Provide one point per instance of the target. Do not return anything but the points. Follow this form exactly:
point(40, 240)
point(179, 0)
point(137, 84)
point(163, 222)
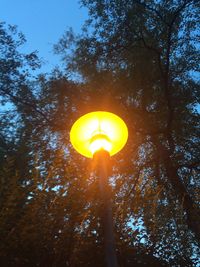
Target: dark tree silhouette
point(138, 59)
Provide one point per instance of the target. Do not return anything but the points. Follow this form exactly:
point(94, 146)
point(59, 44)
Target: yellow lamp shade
point(98, 130)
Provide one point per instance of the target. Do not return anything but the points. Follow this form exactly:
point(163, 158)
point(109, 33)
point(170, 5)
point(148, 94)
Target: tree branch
point(28, 104)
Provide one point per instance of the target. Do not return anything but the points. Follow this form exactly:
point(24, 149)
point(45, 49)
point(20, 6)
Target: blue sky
point(43, 22)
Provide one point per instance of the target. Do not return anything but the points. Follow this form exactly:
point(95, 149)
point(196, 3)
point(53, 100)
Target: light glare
point(100, 142)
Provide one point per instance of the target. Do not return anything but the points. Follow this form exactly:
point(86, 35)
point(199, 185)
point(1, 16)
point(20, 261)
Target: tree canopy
point(140, 60)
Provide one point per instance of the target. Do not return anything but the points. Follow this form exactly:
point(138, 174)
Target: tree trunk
point(192, 212)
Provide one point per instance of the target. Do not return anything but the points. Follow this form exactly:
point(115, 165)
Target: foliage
point(138, 59)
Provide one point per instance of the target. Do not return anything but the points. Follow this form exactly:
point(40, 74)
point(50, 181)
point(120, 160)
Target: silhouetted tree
point(138, 59)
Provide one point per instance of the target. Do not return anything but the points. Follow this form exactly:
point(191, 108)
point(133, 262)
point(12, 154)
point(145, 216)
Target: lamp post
point(99, 135)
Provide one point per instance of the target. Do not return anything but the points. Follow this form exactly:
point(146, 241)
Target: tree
point(140, 59)
point(43, 193)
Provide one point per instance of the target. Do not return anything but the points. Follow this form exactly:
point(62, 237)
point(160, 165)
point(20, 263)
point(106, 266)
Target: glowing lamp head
point(98, 130)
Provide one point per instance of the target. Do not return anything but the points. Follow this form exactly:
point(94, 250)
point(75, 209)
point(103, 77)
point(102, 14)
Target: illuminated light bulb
point(100, 142)
point(98, 130)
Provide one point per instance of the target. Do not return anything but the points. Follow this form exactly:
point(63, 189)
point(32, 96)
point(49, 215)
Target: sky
point(43, 22)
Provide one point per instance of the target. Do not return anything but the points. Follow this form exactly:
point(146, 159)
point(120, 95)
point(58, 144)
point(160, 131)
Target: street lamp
point(99, 135)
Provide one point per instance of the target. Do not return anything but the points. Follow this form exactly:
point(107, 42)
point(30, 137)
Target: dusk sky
point(43, 22)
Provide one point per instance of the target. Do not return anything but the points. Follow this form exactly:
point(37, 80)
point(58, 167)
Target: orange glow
point(98, 130)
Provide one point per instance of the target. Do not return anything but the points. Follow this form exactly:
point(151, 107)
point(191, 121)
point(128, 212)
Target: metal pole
point(101, 159)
